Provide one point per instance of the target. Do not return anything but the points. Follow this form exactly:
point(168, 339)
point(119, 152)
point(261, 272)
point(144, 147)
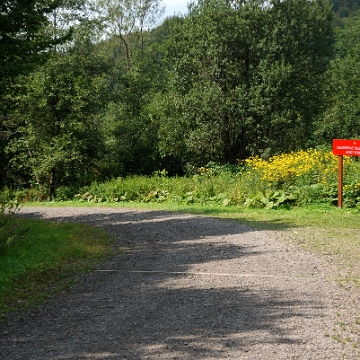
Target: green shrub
point(9, 232)
point(295, 179)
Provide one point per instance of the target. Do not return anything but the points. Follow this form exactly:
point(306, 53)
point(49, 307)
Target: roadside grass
point(293, 194)
point(59, 250)
point(324, 229)
point(41, 258)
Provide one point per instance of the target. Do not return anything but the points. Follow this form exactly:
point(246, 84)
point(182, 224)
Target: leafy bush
point(271, 200)
point(297, 168)
point(293, 179)
point(9, 232)
point(351, 194)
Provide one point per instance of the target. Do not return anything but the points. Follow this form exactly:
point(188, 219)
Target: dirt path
point(188, 287)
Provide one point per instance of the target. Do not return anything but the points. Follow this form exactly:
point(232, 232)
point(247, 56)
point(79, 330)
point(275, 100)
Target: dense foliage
point(241, 76)
point(341, 116)
point(124, 94)
point(22, 40)
point(286, 180)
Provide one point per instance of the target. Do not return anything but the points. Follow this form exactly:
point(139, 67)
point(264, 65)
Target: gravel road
point(189, 287)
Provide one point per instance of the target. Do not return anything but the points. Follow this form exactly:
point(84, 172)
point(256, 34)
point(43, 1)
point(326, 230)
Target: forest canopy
point(96, 90)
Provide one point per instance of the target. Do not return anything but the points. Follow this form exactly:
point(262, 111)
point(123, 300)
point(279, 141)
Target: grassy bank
point(294, 194)
point(38, 258)
point(283, 181)
point(321, 228)
point(41, 257)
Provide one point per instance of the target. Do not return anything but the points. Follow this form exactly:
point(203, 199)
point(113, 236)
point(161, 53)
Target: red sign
point(346, 147)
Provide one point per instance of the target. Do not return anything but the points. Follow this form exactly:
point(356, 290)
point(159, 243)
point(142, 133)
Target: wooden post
point(340, 180)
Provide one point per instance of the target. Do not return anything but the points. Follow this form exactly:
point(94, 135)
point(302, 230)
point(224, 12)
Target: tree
point(22, 43)
point(131, 137)
point(134, 75)
point(344, 9)
point(129, 21)
point(341, 118)
point(244, 79)
point(299, 53)
point(57, 120)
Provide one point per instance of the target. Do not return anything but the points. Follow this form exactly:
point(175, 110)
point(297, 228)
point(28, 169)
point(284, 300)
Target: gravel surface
point(189, 287)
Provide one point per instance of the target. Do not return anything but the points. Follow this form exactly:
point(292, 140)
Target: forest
point(96, 90)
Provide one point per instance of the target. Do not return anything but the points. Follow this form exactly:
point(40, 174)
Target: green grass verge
point(325, 229)
point(42, 257)
point(331, 232)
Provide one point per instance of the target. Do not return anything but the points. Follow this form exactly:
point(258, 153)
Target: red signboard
point(346, 147)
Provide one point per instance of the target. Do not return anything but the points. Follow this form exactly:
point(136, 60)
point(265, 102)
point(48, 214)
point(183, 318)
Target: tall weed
point(9, 231)
point(293, 179)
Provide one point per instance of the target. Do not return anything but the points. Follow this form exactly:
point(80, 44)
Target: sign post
point(340, 179)
point(340, 148)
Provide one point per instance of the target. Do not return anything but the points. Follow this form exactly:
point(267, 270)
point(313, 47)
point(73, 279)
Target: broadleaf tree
point(58, 140)
point(22, 42)
point(244, 79)
point(341, 117)
point(23, 46)
point(135, 72)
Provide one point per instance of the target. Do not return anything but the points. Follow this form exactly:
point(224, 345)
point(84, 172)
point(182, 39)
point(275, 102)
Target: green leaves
point(23, 44)
point(341, 119)
point(271, 200)
point(241, 77)
point(58, 138)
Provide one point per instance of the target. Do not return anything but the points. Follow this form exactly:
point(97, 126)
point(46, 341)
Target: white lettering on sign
point(346, 147)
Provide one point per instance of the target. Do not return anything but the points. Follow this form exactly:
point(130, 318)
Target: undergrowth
point(283, 181)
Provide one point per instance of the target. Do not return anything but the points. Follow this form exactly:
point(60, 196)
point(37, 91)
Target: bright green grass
point(325, 229)
point(58, 249)
point(43, 257)
point(332, 232)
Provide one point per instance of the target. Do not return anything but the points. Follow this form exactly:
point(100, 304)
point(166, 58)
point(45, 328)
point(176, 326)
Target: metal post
point(340, 180)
